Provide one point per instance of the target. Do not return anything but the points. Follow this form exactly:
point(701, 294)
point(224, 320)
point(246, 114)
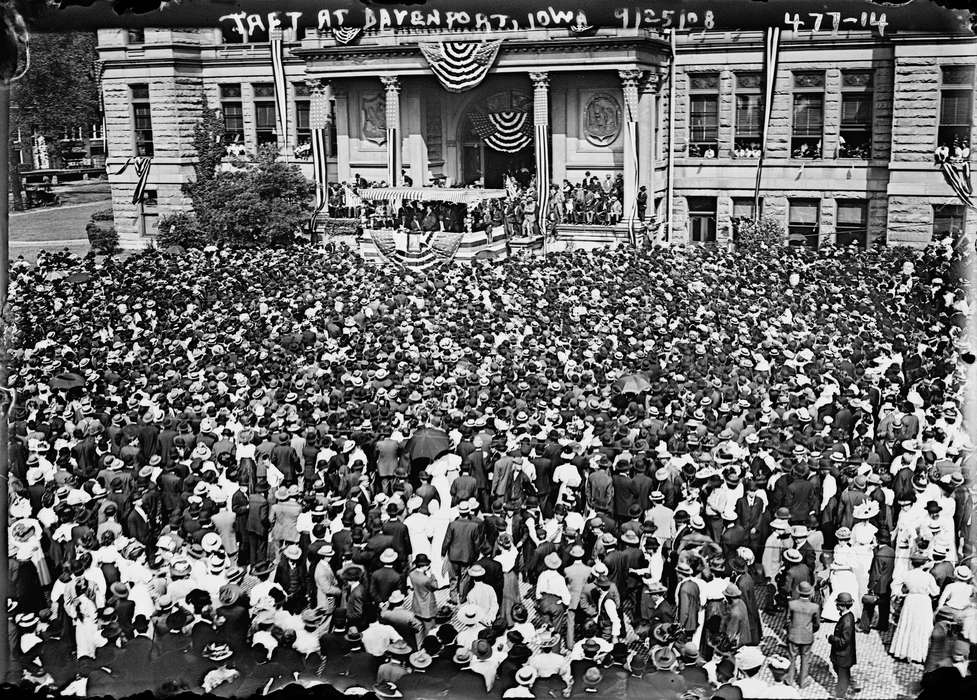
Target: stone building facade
point(855, 120)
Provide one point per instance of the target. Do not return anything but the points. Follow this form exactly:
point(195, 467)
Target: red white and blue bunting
point(281, 96)
point(460, 65)
point(142, 165)
point(506, 132)
point(542, 176)
point(435, 248)
point(346, 35)
point(957, 176)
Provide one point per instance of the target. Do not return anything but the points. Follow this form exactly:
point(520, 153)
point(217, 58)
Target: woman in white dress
point(440, 517)
point(918, 587)
point(841, 578)
point(903, 538)
point(863, 544)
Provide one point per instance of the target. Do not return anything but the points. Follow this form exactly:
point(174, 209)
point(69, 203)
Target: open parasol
point(78, 277)
point(632, 384)
point(67, 380)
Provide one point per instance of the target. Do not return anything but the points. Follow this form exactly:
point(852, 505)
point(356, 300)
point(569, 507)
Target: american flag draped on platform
point(460, 65)
point(277, 45)
point(142, 165)
point(507, 132)
point(542, 176)
point(430, 252)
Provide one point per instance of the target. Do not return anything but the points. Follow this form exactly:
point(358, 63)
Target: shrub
point(180, 229)
point(767, 232)
point(101, 233)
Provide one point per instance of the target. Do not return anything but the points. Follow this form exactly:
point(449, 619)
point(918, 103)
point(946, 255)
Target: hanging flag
point(771, 57)
point(141, 164)
point(957, 176)
point(542, 176)
point(281, 95)
point(393, 157)
point(319, 123)
point(507, 132)
point(346, 35)
point(632, 127)
point(460, 65)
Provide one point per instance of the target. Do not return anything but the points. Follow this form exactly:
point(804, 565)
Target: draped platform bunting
point(957, 176)
point(319, 123)
point(436, 248)
point(507, 132)
point(346, 35)
point(460, 65)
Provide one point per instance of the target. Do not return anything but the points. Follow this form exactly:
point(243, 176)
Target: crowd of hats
point(313, 342)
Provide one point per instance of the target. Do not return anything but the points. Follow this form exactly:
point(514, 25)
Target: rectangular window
point(948, 219)
point(956, 107)
point(233, 112)
point(135, 36)
point(856, 114)
point(150, 198)
point(808, 115)
point(749, 116)
point(142, 119)
point(803, 222)
point(702, 219)
point(703, 115)
point(264, 113)
point(303, 129)
point(851, 226)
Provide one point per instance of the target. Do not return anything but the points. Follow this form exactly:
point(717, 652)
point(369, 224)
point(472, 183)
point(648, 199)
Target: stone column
point(647, 136)
point(391, 85)
point(629, 85)
point(341, 98)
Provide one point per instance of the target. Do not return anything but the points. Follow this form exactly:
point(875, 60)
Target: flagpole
point(670, 171)
point(4, 407)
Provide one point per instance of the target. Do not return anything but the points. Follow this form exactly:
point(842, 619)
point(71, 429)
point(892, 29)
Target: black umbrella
point(78, 277)
point(428, 443)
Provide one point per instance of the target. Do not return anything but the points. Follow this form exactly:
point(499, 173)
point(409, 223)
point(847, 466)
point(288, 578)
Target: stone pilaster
point(648, 91)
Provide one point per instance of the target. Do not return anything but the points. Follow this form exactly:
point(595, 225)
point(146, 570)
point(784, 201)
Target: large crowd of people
point(583, 474)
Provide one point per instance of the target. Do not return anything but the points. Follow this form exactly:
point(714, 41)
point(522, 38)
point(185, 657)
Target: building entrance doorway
point(482, 162)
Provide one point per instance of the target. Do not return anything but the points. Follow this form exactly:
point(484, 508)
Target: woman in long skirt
point(507, 556)
point(912, 635)
point(841, 578)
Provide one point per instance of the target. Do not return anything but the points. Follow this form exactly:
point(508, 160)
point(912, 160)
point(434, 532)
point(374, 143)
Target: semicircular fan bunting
point(507, 132)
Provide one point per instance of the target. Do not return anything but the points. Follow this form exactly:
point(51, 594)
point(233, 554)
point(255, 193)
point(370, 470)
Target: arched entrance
point(479, 159)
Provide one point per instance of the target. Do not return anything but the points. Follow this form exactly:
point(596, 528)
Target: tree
point(266, 203)
point(765, 232)
point(59, 92)
point(208, 142)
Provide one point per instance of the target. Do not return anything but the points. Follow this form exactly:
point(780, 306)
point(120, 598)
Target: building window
point(749, 116)
point(142, 118)
point(264, 113)
point(232, 111)
point(702, 219)
point(855, 138)
point(303, 130)
point(150, 198)
point(851, 227)
point(703, 115)
point(948, 219)
point(956, 106)
point(802, 228)
point(808, 122)
point(135, 36)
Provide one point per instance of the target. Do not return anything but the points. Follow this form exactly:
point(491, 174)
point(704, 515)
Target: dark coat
point(461, 541)
point(843, 642)
point(880, 575)
point(737, 623)
point(748, 590)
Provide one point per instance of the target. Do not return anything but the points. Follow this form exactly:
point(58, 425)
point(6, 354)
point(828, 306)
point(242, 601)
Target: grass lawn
point(53, 228)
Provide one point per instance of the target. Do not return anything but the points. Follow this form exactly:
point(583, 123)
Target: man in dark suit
point(749, 516)
point(733, 536)
point(879, 584)
point(688, 599)
point(625, 494)
point(804, 618)
point(842, 643)
point(461, 548)
point(386, 579)
point(257, 525)
point(795, 571)
point(137, 523)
